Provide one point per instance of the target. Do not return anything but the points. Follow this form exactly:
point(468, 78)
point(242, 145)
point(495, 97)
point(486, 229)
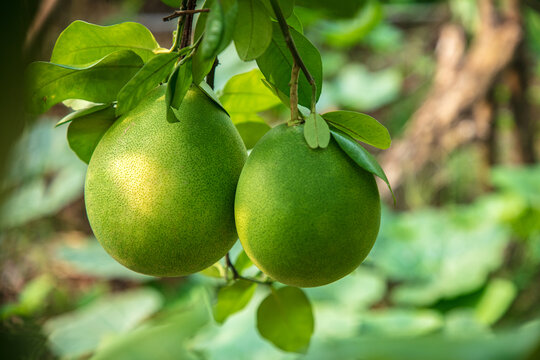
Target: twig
point(294, 52)
point(179, 13)
point(188, 25)
point(237, 276)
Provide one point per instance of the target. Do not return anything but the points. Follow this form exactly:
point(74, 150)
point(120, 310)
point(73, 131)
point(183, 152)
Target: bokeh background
point(455, 272)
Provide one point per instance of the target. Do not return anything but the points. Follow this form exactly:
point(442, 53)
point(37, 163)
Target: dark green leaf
point(205, 88)
point(201, 66)
point(233, 298)
point(219, 27)
point(285, 318)
point(49, 84)
point(82, 43)
point(151, 75)
point(177, 88)
point(332, 9)
point(242, 262)
point(316, 131)
point(360, 156)
point(286, 6)
point(347, 33)
point(276, 64)
point(85, 132)
point(295, 23)
point(80, 113)
point(361, 127)
point(253, 31)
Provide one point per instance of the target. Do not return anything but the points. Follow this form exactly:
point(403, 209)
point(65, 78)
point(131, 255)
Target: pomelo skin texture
point(305, 217)
point(160, 195)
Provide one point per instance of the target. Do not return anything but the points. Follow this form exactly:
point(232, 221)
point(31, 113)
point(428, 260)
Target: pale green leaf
point(233, 298)
point(285, 318)
point(246, 93)
point(49, 84)
point(242, 262)
point(253, 30)
point(82, 43)
point(316, 131)
point(79, 332)
point(80, 113)
point(361, 127)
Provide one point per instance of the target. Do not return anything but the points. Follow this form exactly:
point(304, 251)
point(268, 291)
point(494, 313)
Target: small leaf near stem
point(296, 56)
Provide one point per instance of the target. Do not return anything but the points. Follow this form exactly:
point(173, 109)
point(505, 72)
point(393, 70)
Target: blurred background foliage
point(455, 272)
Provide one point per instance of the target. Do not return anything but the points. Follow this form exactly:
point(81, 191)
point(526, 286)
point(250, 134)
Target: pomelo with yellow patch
point(160, 196)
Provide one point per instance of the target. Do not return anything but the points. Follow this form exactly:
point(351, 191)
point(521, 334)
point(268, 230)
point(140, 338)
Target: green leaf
point(85, 132)
point(177, 88)
point(80, 113)
point(205, 88)
point(219, 27)
point(242, 262)
point(285, 318)
point(253, 30)
point(360, 156)
point(82, 43)
point(295, 22)
point(151, 75)
point(77, 333)
point(361, 127)
point(286, 6)
point(245, 93)
point(48, 84)
point(232, 299)
point(201, 66)
point(276, 64)
point(495, 301)
point(316, 131)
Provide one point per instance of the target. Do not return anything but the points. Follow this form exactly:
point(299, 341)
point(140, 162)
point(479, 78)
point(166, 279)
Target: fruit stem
point(297, 59)
point(237, 276)
point(294, 94)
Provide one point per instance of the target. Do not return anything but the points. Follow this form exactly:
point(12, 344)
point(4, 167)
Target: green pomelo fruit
point(160, 195)
point(305, 217)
